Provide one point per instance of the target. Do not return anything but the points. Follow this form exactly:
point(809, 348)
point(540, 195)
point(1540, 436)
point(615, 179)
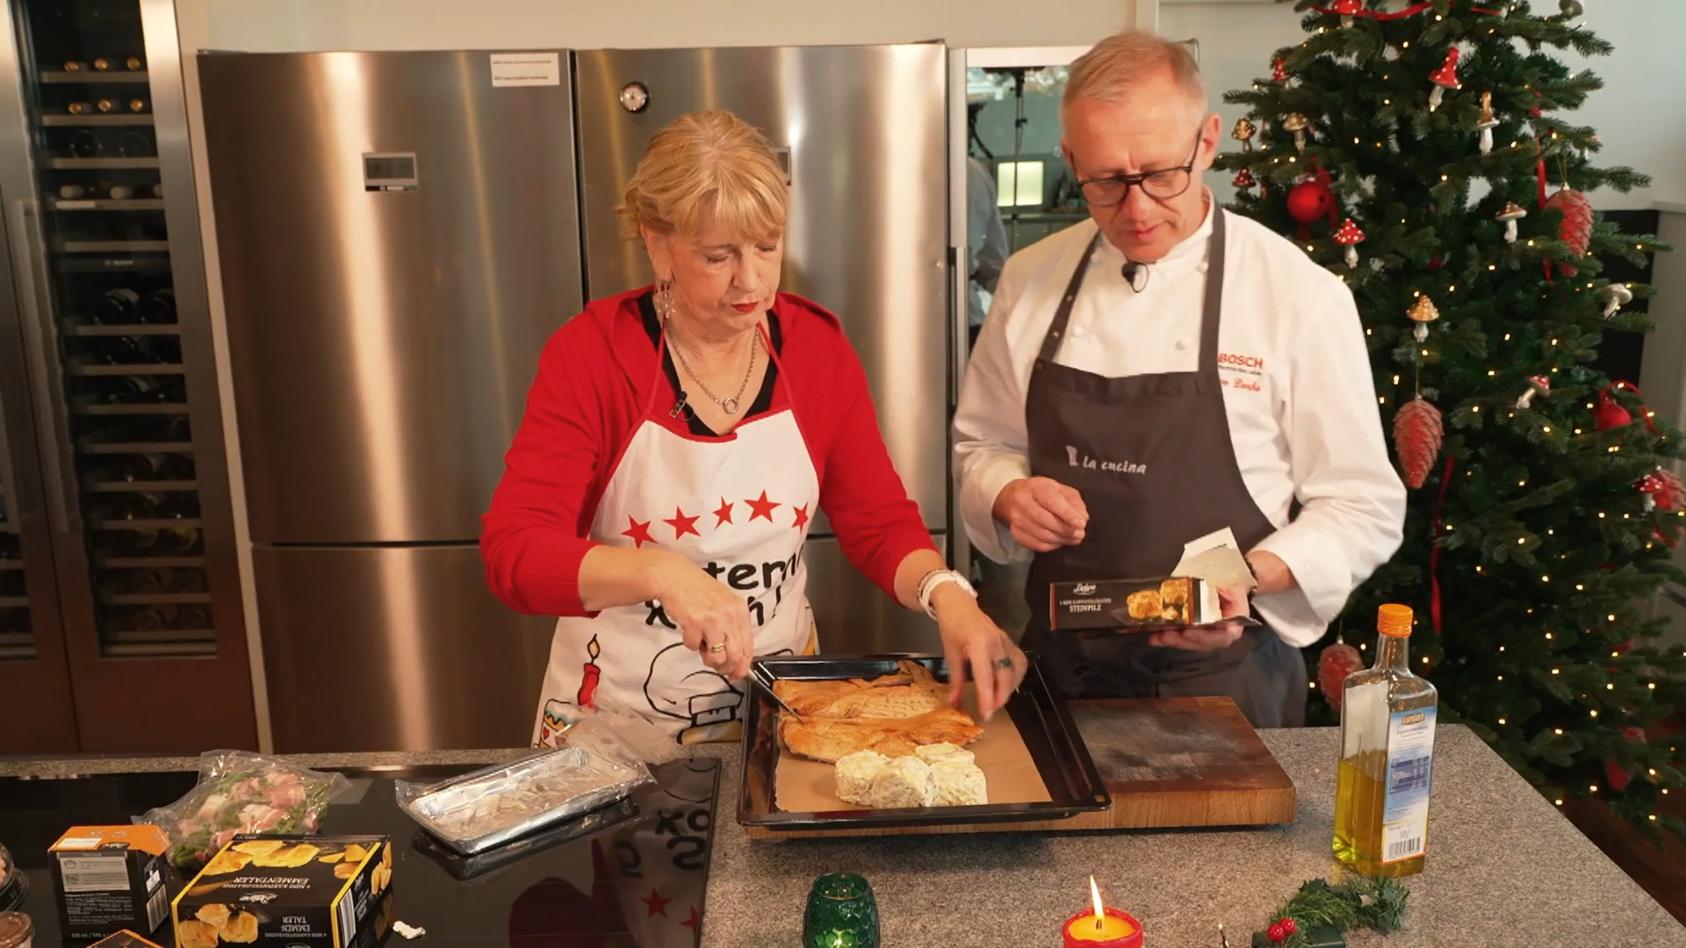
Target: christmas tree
point(1411, 148)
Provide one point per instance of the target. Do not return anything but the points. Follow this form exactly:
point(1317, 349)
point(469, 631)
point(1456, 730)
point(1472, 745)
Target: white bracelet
point(930, 581)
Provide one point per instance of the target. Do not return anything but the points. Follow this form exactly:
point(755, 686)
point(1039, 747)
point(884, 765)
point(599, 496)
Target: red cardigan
point(593, 384)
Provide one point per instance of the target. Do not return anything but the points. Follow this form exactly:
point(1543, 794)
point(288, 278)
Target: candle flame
point(1095, 893)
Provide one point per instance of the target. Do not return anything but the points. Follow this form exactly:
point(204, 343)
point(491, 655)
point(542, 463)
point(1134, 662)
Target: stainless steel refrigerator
point(121, 622)
point(400, 232)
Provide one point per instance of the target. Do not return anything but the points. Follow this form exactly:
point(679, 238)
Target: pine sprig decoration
point(1355, 902)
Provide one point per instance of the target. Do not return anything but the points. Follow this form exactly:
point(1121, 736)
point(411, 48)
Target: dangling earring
point(664, 300)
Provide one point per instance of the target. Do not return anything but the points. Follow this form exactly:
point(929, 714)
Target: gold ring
point(717, 648)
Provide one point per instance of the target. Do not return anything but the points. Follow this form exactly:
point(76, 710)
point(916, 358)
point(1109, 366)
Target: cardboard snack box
point(1135, 605)
point(109, 878)
point(288, 890)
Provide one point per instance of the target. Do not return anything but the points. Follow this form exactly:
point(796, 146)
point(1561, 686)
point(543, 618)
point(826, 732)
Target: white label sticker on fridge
point(526, 69)
point(1410, 770)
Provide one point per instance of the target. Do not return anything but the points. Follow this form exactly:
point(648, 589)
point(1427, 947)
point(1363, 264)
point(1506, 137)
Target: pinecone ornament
point(1577, 223)
point(1418, 434)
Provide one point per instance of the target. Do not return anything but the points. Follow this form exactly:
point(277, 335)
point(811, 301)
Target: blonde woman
point(677, 443)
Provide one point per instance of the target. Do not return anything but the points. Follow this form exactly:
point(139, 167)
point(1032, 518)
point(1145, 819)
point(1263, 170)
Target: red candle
point(1101, 926)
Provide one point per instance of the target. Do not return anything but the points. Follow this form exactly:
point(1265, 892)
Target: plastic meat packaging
point(483, 809)
point(242, 792)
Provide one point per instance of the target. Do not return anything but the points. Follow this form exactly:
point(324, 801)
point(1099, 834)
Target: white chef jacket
point(1303, 415)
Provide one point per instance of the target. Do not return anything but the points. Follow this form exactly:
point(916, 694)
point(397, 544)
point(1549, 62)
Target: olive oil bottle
point(1387, 758)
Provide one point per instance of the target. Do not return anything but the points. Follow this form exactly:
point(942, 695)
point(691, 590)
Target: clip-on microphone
point(1135, 274)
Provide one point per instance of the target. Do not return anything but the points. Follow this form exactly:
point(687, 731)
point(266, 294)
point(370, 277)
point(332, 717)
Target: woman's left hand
point(976, 648)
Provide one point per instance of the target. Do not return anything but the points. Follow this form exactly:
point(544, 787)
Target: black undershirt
point(763, 398)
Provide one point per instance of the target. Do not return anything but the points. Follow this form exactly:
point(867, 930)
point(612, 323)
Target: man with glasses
point(1162, 371)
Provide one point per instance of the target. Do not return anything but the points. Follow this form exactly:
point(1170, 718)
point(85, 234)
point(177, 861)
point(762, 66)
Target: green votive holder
point(841, 913)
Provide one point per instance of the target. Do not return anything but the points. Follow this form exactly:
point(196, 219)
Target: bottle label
point(1410, 768)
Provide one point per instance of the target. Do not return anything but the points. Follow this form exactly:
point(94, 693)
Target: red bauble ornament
point(1243, 179)
point(1310, 200)
point(1337, 661)
point(1288, 926)
point(1616, 775)
point(1417, 434)
point(1610, 413)
point(1276, 933)
point(1577, 223)
point(1279, 69)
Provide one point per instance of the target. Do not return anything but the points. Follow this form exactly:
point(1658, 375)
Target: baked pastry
point(215, 914)
point(903, 782)
point(893, 714)
point(959, 783)
point(241, 928)
point(1174, 591)
point(855, 773)
point(192, 933)
point(1143, 604)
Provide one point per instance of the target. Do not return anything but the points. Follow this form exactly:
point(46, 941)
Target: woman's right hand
point(713, 619)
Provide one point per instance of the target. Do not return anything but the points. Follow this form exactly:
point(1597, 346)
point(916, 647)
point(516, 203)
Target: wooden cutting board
point(1167, 762)
point(1177, 762)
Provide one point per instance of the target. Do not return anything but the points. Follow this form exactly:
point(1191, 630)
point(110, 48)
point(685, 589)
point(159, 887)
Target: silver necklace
point(729, 404)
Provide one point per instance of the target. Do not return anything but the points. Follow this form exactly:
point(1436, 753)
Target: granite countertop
point(1504, 866)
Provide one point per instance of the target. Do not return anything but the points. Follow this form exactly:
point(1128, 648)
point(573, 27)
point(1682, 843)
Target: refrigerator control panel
point(390, 171)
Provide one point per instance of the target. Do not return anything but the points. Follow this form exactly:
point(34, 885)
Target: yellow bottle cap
point(1394, 620)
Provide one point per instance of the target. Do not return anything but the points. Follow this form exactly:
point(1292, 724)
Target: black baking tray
point(1049, 733)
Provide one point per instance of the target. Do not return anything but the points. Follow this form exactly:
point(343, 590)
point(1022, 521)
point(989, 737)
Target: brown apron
point(1153, 459)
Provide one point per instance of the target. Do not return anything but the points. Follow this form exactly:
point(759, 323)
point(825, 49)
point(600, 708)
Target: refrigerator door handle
point(41, 338)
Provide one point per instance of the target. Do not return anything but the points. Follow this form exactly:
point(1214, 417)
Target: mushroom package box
point(332, 891)
point(1187, 597)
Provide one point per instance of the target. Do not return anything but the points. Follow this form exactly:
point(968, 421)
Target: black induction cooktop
point(636, 880)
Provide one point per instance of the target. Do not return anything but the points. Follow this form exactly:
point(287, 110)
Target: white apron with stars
point(737, 506)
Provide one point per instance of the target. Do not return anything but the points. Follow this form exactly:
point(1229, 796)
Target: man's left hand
point(1208, 638)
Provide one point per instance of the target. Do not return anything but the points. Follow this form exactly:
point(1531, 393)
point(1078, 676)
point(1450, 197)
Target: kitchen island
point(1504, 866)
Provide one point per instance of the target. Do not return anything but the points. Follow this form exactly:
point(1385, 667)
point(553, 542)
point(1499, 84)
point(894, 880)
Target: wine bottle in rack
point(85, 144)
point(134, 64)
point(128, 508)
point(75, 66)
point(72, 192)
point(159, 306)
point(117, 307)
point(102, 64)
point(124, 469)
point(176, 541)
point(187, 581)
point(133, 144)
point(137, 105)
point(149, 619)
point(193, 617)
point(105, 105)
point(140, 582)
point(79, 108)
point(121, 192)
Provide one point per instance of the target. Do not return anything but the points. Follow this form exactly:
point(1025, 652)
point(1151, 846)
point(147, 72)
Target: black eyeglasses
point(1161, 185)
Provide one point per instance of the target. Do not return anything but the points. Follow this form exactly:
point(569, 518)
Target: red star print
point(682, 524)
point(695, 921)
point(723, 514)
point(762, 508)
point(801, 517)
point(655, 904)
point(638, 531)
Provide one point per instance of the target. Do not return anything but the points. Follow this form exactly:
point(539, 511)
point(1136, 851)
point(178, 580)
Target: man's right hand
point(1042, 513)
